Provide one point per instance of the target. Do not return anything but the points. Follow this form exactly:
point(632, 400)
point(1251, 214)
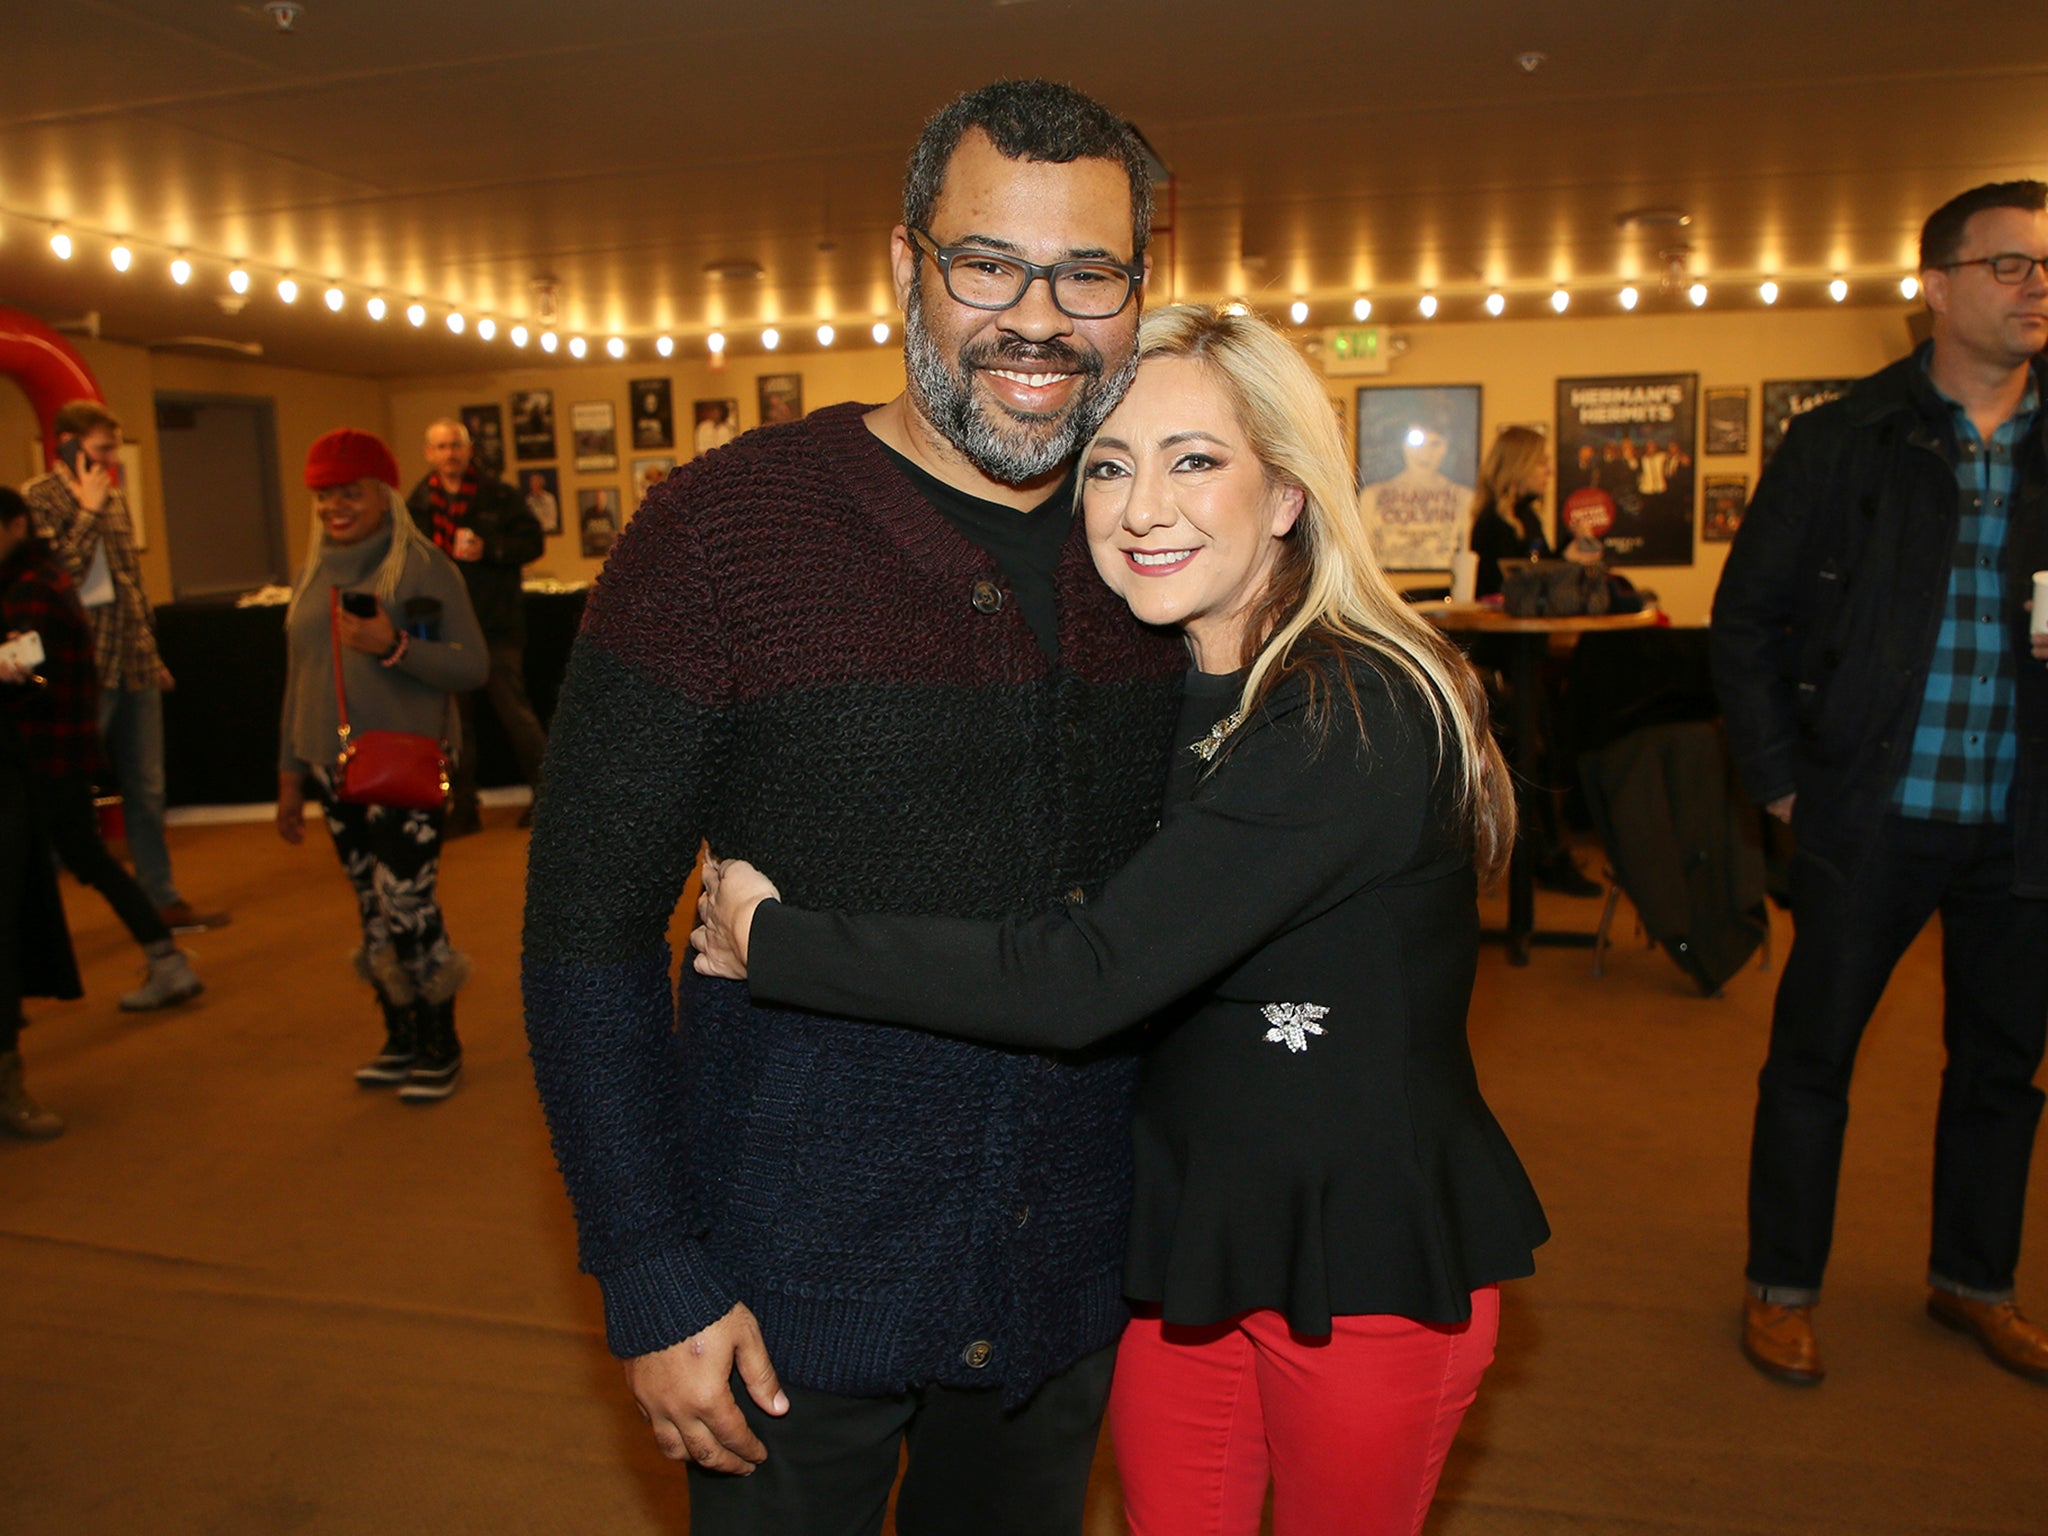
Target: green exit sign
point(1355, 349)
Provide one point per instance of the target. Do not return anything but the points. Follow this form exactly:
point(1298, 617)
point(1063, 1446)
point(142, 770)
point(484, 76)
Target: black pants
point(974, 1469)
point(72, 825)
point(506, 689)
point(1855, 912)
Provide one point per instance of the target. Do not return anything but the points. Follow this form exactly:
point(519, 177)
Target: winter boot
point(431, 1076)
point(21, 1115)
point(387, 1069)
point(170, 979)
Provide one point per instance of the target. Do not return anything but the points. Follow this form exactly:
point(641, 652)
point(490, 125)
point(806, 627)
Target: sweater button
point(978, 1354)
point(987, 597)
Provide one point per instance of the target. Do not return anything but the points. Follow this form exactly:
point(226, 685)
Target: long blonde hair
point(1327, 590)
point(1511, 463)
point(407, 542)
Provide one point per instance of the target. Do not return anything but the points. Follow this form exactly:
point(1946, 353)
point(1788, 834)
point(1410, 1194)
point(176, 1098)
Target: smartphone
point(72, 452)
point(362, 604)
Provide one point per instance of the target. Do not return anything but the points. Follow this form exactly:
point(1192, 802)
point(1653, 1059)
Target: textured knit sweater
point(785, 655)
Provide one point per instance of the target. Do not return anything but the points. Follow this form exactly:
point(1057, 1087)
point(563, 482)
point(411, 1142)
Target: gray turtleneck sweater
point(411, 695)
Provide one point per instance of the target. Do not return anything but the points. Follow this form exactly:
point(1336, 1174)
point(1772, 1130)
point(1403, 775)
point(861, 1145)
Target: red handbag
point(400, 769)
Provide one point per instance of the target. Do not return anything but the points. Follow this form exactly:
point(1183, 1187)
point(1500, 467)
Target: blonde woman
point(1507, 509)
point(1323, 1203)
point(414, 643)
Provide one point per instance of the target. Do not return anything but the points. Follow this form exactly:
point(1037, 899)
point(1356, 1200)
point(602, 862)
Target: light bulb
point(1909, 287)
point(1560, 300)
point(1838, 290)
point(335, 299)
point(548, 343)
point(416, 313)
point(518, 335)
point(1628, 297)
point(1495, 303)
point(287, 290)
point(375, 308)
point(665, 345)
point(826, 335)
point(715, 342)
point(1237, 309)
point(239, 280)
point(578, 347)
point(1697, 293)
point(61, 244)
point(486, 328)
point(616, 346)
point(880, 332)
point(181, 271)
point(1298, 311)
point(1768, 291)
point(121, 257)
point(771, 338)
point(1428, 306)
point(456, 322)
point(1361, 309)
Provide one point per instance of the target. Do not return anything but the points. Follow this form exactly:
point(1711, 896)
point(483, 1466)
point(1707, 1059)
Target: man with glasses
point(1872, 651)
point(868, 649)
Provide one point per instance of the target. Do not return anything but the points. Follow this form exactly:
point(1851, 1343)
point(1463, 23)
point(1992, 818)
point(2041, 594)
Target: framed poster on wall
point(597, 518)
point(485, 425)
point(1418, 459)
point(1727, 414)
point(654, 413)
point(593, 426)
point(781, 397)
point(1786, 398)
point(1630, 440)
point(716, 423)
point(533, 424)
point(1724, 497)
point(542, 489)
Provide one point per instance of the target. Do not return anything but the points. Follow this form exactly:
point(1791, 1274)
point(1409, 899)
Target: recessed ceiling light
point(715, 342)
point(1909, 287)
point(1838, 290)
point(287, 290)
point(616, 346)
point(486, 328)
point(771, 338)
point(375, 308)
point(456, 322)
point(548, 342)
point(578, 347)
point(121, 257)
point(880, 332)
point(1767, 291)
point(239, 280)
point(1628, 297)
point(335, 298)
point(1428, 306)
point(61, 244)
point(1298, 311)
point(665, 345)
point(416, 313)
point(181, 271)
point(519, 335)
point(1361, 308)
point(827, 335)
point(1496, 302)
point(1560, 300)
point(1697, 293)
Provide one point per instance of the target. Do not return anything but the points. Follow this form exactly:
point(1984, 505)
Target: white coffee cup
point(1465, 577)
point(2039, 617)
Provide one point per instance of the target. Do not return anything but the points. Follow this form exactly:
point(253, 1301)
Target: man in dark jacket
point(490, 532)
point(1882, 693)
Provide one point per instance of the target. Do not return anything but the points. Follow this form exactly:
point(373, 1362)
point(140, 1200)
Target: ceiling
point(1319, 149)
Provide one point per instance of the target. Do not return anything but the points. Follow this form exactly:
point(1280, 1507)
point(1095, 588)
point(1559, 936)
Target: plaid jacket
point(123, 631)
point(57, 719)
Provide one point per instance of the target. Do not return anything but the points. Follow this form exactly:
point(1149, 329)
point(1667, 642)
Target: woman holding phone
point(1323, 1204)
point(376, 592)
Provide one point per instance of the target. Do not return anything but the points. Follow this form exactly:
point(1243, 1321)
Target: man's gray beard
point(1007, 450)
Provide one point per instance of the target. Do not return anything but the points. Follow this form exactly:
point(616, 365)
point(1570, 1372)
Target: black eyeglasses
point(2009, 267)
point(1089, 289)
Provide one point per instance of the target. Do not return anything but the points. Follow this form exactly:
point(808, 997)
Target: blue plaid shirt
point(1964, 745)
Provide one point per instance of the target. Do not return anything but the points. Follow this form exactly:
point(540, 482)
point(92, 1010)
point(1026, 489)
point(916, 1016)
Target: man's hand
point(291, 808)
point(468, 545)
point(685, 1393)
point(164, 681)
point(373, 637)
point(733, 888)
point(2038, 640)
point(89, 489)
point(1782, 808)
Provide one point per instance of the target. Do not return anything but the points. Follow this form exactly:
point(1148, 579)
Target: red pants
point(1351, 1429)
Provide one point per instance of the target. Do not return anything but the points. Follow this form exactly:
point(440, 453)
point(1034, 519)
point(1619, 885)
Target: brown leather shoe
point(1779, 1341)
point(2004, 1332)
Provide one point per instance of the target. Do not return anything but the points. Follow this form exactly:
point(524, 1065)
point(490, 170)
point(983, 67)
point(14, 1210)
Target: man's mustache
point(1053, 356)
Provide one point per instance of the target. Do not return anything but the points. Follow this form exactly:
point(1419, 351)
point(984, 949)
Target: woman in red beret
point(377, 593)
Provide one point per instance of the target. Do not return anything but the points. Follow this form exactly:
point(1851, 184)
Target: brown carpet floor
point(243, 1297)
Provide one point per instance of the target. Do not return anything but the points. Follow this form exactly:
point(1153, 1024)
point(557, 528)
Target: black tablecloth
point(220, 723)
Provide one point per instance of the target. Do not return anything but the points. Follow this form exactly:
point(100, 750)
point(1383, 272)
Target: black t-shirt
point(1024, 545)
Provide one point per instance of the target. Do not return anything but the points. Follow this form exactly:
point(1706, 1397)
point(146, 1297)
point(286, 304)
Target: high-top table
point(1529, 639)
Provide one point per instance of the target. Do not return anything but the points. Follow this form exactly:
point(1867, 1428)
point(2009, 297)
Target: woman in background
point(1507, 509)
point(397, 679)
point(1323, 1205)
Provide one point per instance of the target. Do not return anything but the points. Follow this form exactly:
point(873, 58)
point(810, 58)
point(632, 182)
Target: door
point(218, 454)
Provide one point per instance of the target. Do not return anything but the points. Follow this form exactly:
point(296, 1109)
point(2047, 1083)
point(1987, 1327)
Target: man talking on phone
point(79, 509)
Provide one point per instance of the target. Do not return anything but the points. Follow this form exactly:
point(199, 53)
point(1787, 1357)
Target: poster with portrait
point(533, 424)
point(648, 473)
point(1629, 442)
point(654, 413)
point(597, 518)
point(486, 427)
point(1727, 420)
point(716, 423)
point(1723, 498)
point(781, 397)
point(1418, 459)
point(594, 428)
point(1787, 398)
point(542, 489)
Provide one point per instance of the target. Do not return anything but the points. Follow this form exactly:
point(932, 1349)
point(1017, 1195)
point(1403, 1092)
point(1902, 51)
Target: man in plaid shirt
point(80, 511)
point(55, 717)
point(1883, 693)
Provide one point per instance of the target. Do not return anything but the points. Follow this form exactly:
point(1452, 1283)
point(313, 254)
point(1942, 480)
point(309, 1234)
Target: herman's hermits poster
point(1632, 440)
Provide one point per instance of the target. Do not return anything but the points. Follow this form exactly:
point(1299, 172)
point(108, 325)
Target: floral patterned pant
point(392, 858)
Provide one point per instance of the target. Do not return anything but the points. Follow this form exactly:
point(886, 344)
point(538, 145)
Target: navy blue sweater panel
point(782, 656)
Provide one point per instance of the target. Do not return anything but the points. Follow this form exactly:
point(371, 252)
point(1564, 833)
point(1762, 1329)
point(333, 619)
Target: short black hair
point(12, 505)
point(1030, 120)
point(1941, 237)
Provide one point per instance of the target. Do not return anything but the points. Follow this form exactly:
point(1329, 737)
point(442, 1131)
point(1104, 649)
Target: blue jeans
point(132, 726)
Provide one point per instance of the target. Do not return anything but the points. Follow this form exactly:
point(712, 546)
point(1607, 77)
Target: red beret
point(345, 455)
